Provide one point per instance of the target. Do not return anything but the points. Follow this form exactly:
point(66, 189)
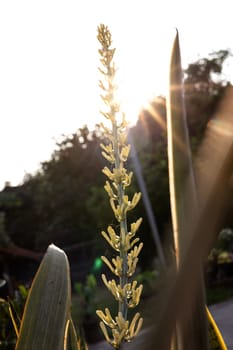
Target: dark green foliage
point(219, 267)
point(225, 240)
point(148, 279)
point(87, 296)
point(5, 240)
point(204, 87)
point(21, 218)
point(98, 207)
point(7, 332)
point(9, 199)
point(219, 294)
point(66, 184)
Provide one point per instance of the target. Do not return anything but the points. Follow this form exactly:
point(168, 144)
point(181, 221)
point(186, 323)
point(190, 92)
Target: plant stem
point(122, 306)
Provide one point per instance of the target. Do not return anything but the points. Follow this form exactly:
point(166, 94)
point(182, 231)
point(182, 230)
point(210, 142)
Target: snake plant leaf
point(213, 168)
point(71, 340)
point(179, 151)
point(183, 190)
point(48, 305)
point(216, 340)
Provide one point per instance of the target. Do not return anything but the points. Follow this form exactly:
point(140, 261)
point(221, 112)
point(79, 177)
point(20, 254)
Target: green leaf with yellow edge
point(215, 336)
point(48, 305)
point(213, 168)
point(183, 194)
point(181, 173)
point(71, 341)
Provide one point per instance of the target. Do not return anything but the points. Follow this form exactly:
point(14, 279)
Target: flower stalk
point(116, 152)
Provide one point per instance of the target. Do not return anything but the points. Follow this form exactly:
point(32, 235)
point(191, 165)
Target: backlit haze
point(49, 59)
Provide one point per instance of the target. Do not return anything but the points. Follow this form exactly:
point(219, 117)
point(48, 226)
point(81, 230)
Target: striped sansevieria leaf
point(48, 305)
point(198, 211)
point(71, 341)
point(183, 196)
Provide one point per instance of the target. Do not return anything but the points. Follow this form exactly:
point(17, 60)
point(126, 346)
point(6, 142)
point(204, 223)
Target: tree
point(52, 206)
point(63, 186)
point(204, 87)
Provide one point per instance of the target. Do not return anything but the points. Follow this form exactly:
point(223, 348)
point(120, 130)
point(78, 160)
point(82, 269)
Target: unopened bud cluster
point(123, 241)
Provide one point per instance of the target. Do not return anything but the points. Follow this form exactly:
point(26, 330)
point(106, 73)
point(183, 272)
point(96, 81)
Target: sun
point(135, 99)
point(141, 72)
point(140, 85)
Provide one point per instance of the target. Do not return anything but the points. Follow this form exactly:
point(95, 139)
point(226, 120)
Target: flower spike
point(116, 152)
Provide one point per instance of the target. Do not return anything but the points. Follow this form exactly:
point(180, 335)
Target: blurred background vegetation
point(64, 202)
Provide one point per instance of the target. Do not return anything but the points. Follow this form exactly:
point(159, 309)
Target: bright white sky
point(49, 59)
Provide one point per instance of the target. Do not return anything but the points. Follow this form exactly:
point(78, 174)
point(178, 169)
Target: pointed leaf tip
point(48, 304)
